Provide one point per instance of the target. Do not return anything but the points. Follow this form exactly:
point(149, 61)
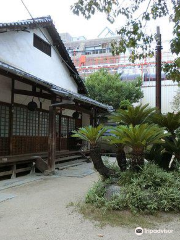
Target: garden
point(146, 176)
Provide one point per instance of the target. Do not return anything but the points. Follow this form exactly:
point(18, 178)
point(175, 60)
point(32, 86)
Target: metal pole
point(158, 69)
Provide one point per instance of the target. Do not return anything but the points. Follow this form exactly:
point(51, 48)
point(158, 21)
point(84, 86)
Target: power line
point(47, 38)
point(146, 12)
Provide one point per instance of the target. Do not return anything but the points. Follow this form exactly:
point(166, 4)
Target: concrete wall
point(17, 49)
point(169, 89)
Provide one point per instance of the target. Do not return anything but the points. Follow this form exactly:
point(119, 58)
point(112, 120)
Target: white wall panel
point(169, 89)
point(17, 49)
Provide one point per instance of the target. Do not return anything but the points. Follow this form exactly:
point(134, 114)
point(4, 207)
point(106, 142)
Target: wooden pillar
point(11, 117)
point(52, 139)
point(92, 117)
point(95, 117)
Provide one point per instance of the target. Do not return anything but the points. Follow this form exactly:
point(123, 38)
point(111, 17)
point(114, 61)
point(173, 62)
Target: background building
point(90, 55)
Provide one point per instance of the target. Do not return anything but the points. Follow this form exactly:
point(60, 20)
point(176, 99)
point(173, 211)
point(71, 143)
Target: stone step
point(64, 165)
point(68, 158)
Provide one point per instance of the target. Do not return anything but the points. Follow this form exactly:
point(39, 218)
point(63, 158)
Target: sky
point(66, 21)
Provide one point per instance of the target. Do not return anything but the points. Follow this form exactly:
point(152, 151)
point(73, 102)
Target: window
point(42, 45)
point(19, 121)
point(64, 127)
point(27, 123)
point(4, 121)
point(44, 124)
point(71, 125)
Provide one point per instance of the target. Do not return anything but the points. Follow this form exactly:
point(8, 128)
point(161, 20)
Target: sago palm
point(132, 115)
point(138, 138)
point(115, 140)
point(173, 147)
point(171, 121)
point(93, 136)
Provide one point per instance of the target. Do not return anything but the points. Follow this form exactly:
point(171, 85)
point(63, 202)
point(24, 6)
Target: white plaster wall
point(5, 93)
point(169, 89)
point(17, 49)
point(85, 119)
point(67, 112)
point(5, 89)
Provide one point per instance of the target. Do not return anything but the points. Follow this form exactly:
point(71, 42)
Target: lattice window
point(19, 121)
point(32, 123)
point(71, 125)
point(4, 121)
point(44, 124)
point(64, 127)
point(25, 122)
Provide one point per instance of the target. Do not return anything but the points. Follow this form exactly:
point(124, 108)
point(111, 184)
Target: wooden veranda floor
point(17, 165)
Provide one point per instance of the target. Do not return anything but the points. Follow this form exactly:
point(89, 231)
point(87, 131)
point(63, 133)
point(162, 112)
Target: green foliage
point(170, 121)
point(133, 115)
point(96, 194)
point(176, 101)
point(109, 89)
point(132, 34)
point(173, 147)
point(124, 104)
point(90, 134)
point(150, 190)
point(139, 136)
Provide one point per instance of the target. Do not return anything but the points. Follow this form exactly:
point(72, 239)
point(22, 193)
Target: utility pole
point(158, 69)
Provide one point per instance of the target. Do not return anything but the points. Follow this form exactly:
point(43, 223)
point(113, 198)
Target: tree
point(138, 138)
point(176, 101)
point(133, 36)
point(109, 89)
point(170, 121)
point(93, 136)
point(114, 139)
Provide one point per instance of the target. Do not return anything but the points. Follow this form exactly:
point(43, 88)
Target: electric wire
point(48, 39)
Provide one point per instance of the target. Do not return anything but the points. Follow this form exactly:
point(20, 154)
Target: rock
point(112, 190)
point(100, 235)
point(49, 173)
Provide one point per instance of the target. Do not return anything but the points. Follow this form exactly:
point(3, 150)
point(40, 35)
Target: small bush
point(149, 191)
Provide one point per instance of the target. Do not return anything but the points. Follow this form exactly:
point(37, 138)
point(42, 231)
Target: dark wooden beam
point(75, 107)
point(11, 116)
point(33, 93)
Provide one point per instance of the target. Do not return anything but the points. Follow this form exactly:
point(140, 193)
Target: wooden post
point(92, 117)
point(11, 117)
point(158, 69)
point(52, 139)
point(95, 117)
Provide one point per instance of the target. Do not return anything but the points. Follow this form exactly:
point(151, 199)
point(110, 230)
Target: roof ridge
point(27, 20)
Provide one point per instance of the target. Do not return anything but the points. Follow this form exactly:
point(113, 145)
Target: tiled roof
point(58, 90)
point(26, 23)
point(47, 23)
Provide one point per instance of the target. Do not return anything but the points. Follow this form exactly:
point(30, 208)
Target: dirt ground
point(39, 212)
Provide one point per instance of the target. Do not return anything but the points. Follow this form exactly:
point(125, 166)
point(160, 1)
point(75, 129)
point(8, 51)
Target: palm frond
point(90, 134)
point(139, 136)
point(133, 115)
point(171, 121)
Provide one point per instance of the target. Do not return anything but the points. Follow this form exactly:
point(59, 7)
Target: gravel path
point(39, 212)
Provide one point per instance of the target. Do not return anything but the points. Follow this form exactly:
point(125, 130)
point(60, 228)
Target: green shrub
point(149, 191)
